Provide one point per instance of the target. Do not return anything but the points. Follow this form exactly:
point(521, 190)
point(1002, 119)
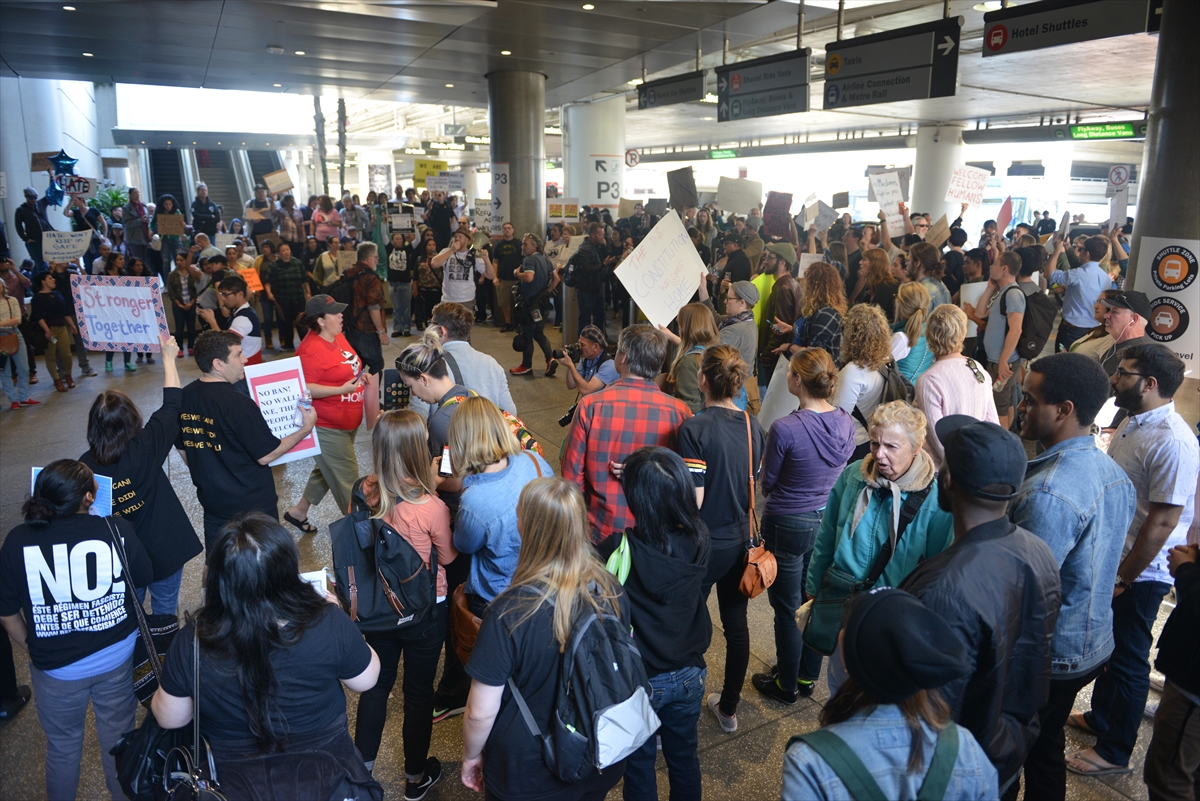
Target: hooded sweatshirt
point(806, 452)
point(670, 617)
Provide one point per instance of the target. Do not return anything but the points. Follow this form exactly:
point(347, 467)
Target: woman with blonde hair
point(697, 331)
point(955, 384)
point(908, 330)
point(866, 348)
point(526, 630)
point(401, 492)
point(876, 284)
point(485, 453)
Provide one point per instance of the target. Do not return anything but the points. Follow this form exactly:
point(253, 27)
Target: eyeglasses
point(921, 225)
point(979, 376)
point(227, 294)
point(1121, 373)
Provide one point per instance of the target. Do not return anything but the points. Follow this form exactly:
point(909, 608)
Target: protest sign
point(1005, 216)
point(224, 240)
point(276, 387)
point(119, 312)
point(455, 181)
point(483, 214)
point(437, 183)
point(170, 224)
point(905, 174)
point(64, 245)
point(938, 233)
point(401, 224)
point(1118, 208)
point(625, 209)
point(681, 186)
point(656, 206)
point(426, 167)
point(103, 505)
point(346, 259)
point(278, 181)
point(272, 237)
point(888, 190)
point(571, 209)
point(841, 200)
point(554, 209)
point(825, 216)
point(252, 214)
point(663, 271)
point(76, 185)
point(40, 162)
point(253, 280)
point(807, 260)
point(1066, 220)
point(967, 185)
point(970, 294)
point(777, 203)
point(738, 195)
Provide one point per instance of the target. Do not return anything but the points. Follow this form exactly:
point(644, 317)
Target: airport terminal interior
point(1075, 118)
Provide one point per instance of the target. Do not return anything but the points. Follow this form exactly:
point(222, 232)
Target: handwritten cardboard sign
point(119, 313)
point(681, 184)
point(39, 162)
point(967, 185)
point(455, 181)
point(346, 259)
point(170, 225)
point(823, 215)
point(278, 181)
point(483, 214)
point(251, 214)
point(663, 271)
point(272, 237)
point(807, 260)
point(252, 278)
point(76, 185)
point(738, 195)
point(625, 208)
point(888, 190)
point(224, 240)
point(277, 387)
point(840, 200)
point(905, 174)
point(65, 245)
point(938, 233)
point(437, 183)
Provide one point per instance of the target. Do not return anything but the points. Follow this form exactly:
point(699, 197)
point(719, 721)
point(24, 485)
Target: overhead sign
point(663, 271)
point(1166, 272)
point(1054, 22)
point(632, 158)
point(911, 63)
point(1108, 130)
point(276, 387)
point(967, 185)
point(764, 87)
point(724, 153)
point(119, 312)
point(687, 88)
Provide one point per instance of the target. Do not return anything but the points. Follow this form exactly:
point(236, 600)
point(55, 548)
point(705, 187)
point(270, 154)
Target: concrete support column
point(939, 151)
point(594, 152)
point(516, 118)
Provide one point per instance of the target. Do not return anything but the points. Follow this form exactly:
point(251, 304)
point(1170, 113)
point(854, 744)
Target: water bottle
point(302, 405)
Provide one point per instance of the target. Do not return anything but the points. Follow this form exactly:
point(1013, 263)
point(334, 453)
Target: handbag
point(9, 344)
point(157, 632)
point(184, 775)
point(761, 567)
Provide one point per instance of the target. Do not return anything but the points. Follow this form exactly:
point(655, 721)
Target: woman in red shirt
point(333, 374)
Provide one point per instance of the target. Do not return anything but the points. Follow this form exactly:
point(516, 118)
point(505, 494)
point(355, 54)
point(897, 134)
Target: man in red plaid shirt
point(611, 424)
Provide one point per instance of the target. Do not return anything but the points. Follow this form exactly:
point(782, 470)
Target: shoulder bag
point(761, 567)
point(9, 342)
point(185, 777)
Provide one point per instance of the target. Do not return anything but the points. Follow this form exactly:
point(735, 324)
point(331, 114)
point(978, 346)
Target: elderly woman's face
point(893, 451)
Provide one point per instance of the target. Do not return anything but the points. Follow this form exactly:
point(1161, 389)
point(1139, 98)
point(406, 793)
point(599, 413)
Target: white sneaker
point(728, 722)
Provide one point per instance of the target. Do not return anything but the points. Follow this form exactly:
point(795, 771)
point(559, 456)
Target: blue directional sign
point(687, 88)
point(912, 63)
point(764, 87)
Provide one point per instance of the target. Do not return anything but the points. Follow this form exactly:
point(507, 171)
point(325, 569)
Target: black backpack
point(895, 387)
point(381, 579)
point(1036, 325)
point(602, 710)
point(342, 290)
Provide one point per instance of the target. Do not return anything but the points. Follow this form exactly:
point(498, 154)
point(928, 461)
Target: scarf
point(918, 476)
point(734, 319)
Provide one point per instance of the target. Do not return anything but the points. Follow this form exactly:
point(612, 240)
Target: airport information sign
point(912, 63)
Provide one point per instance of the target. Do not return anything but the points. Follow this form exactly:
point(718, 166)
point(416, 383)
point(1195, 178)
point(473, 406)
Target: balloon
point(63, 164)
point(54, 193)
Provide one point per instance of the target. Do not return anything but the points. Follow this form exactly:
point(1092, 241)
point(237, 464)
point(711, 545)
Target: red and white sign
point(76, 185)
point(967, 185)
point(996, 37)
point(632, 158)
point(1005, 216)
point(119, 313)
point(277, 387)
point(1118, 179)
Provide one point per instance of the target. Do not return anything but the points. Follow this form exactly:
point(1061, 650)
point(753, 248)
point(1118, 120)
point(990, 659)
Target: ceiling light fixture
point(588, 6)
point(89, 55)
point(635, 82)
point(275, 50)
point(506, 52)
point(68, 8)
point(300, 52)
point(449, 86)
point(991, 5)
point(276, 84)
point(707, 119)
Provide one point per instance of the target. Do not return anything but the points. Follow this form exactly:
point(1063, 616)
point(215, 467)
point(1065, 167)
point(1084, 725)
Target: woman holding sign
point(114, 265)
point(333, 374)
point(168, 207)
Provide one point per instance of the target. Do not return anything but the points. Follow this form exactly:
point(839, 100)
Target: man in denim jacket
point(1080, 502)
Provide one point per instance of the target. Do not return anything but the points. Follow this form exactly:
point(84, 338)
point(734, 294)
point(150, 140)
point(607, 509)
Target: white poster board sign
point(224, 240)
point(437, 183)
point(1118, 208)
point(825, 216)
point(807, 259)
point(401, 223)
point(64, 245)
point(77, 185)
point(905, 174)
point(277, 387)
point(967, 185)
point(499, 196)
point(122, 313)
point(278, 181)
point(483, 214)
point(971, 293)
point(663, 271)
point(888, 190)
point(738, 195)
point(455, 181)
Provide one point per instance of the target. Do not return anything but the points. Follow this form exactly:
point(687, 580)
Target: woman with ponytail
point(909, 350)
point(65, 598)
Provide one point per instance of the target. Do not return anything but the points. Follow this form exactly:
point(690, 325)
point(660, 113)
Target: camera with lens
point(566, 419)
point(571, 351)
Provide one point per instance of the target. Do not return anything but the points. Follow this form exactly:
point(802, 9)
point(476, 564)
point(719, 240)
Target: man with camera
point(460, 261)
point(595, 369)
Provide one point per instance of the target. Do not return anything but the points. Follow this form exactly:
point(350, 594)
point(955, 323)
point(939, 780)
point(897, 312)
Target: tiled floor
point(743, 766)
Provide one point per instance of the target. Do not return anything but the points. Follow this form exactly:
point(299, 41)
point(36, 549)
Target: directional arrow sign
point(601, 165)
point(911, 63)
point(764, 87)
point(687, 88)
point(1036, 25)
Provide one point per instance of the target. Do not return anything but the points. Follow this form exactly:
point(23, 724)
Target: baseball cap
point(732, 236)
point(783, 250)
point(1136, 302)
point(983, 458)
point(747, 291)
point(322, 304)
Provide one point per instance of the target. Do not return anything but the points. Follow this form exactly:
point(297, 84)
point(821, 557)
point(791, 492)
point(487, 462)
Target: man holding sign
point(225, 440)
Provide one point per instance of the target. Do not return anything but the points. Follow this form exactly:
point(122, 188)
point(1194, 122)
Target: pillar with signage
point(939, 151)
point(516, 117)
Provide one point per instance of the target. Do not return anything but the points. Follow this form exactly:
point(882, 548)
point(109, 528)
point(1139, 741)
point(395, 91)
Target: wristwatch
point(1122, 583)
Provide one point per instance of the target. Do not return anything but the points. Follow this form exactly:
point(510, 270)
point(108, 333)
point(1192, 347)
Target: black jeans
point(455, 685)
point(725, 567)
point(1045, 771)
point(420, 646)
point(8, 670)
point(1068, 335)
point(534, 332)
point(185, 323)
point(791, 538)
point(288, 312)
point(591, 308)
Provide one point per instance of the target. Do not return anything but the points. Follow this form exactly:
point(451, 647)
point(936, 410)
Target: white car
point(1164, 319)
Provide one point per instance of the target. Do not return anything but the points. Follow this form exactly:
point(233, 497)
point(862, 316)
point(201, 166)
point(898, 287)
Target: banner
point(738, 195)
point(64, 245)
point(1166, 272)
point(277, 387)
point(119, 312)
point(888, 190)
point(663, 271)
point(278, 181)
point(967, 185)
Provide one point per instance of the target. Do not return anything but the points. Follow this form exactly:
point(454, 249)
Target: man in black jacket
point(587, 271)
point(31, 221)
point(998, 587)
point(205, 213)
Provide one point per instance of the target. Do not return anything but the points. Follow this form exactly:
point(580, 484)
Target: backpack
point(524, 435)
point(895, 387)
point(602, 710)
point(342, 290)
point(1036, 325)
point(381, 579)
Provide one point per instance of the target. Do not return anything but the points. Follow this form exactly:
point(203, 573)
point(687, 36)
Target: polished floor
point(744, 765)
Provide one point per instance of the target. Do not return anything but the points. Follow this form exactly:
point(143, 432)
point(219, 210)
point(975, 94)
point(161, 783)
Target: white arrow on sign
point(721, 84)
point(946, 46)
point(724, 110)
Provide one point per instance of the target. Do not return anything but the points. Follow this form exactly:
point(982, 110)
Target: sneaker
point(805, 688)
point(108, 367)
point(728, 722)
point(14, 407)
point(521, 370)
point(179, 355)
point(86, 373)
point(551, 368)
point(31, 402)
point(442, 713)
point(9, 709)
point(415, 791)
point(131, 367)
point(768, 685)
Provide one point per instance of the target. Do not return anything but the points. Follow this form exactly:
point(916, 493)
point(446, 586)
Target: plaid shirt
point(368, 295)
point(290, 225)
point(610, 425)
point(822, 330)
point(286, 280)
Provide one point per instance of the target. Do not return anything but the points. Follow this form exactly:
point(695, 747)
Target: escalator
point(263, 162)
point(166, 177)
point(216, 171)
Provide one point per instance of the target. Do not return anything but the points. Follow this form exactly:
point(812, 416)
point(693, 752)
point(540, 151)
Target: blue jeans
point(791, 538)
point(20, 359)
point(1119, 696)
point(164, 594)
point(401, 306)
point(678, 696)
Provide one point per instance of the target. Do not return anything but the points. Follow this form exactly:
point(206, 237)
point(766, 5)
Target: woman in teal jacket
point(862, 517)
point(909, 348)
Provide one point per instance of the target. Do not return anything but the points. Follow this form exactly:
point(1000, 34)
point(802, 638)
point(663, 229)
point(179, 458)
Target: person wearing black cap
point(1125, 321)
point(735, 264)
point(897, 652)
point(998, 587)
